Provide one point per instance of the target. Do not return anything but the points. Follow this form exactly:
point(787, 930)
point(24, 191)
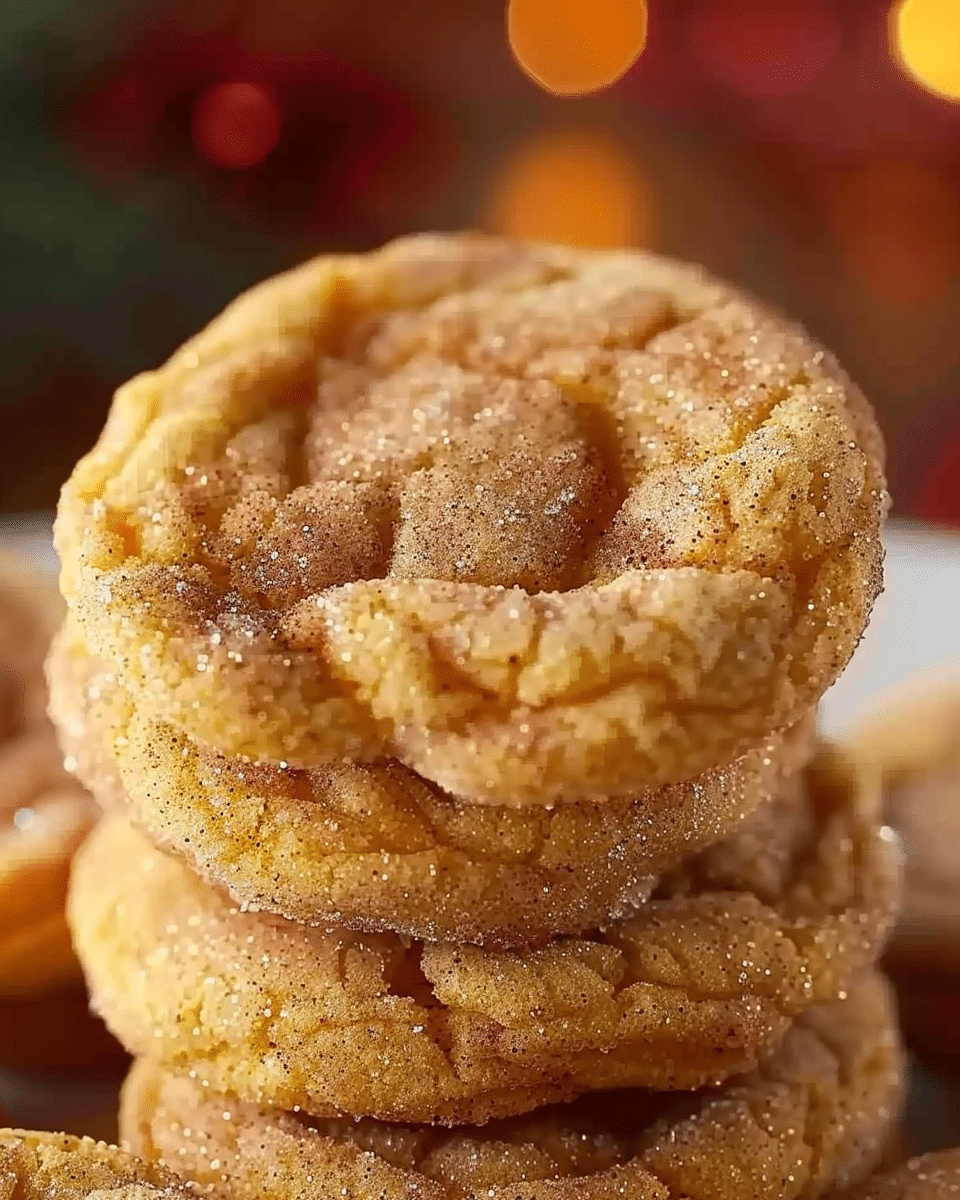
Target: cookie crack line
point(687, 990)
point(38, 1164)
point(375, 847)
point(717, 462)
point(776, 1124)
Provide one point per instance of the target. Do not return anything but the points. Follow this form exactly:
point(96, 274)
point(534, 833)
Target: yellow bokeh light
point(574, 189)
point(926, 38)
point(572, 47)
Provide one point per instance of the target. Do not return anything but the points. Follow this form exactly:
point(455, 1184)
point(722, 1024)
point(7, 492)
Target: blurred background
point(158, 156)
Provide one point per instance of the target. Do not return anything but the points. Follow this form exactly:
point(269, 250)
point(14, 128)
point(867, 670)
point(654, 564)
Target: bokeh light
point(574, 188)
point(925, 36)
point(938, 500)
point(571, 47)
point(897, 226)
point(236, 124)
point(760, 48)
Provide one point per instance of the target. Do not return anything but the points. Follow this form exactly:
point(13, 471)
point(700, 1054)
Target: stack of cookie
point(445, 631)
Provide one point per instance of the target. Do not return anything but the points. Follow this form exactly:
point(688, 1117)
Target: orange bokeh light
point(236, 124)
point(897, 224)
point(925, 36)
point(571, 47)
point(575, 189)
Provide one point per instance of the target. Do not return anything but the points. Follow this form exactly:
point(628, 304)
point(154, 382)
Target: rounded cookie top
point(37, 1166)
point(539, 523)
point(689, 990)
point(44, 813)
point(375, 847)
point(817, 1110)
point(929, 1177)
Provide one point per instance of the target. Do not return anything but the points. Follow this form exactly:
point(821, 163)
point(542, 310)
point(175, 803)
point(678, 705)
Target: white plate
point(915, 628)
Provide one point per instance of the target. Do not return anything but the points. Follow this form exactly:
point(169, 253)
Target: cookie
point(31, 610)
point(912, 739)
point(930, 1177)
point(39, 1166)
point(44, 813)
point(374, 847)
point(817, 1110)
point(541, 524)
point(690, 989)
point(44, 817)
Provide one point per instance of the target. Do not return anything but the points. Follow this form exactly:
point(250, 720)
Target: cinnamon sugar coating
point(911, 739)
point(930, 1177)
point(818, 1110)
point(41, 1166)
point(541, 524)
point(374, 847)
point(691, 989)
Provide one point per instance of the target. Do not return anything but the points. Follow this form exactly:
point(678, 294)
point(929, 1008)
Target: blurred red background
point(159, 157)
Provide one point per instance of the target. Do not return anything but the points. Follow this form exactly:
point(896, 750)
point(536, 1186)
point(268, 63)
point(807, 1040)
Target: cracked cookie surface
point(816, 1111)
point(540, 524)
point(691, 989)
point(375, 847)
point(39, 1166)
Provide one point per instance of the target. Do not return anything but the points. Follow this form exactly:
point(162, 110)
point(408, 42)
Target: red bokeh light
point(759, 48)
point(939, 499)
point(236, 124)
point(330, 145)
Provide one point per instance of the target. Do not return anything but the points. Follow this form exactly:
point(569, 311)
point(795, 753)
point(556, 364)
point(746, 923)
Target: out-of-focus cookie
point(375, 847)
point(817, 1111)
point(44, 817)
point(40, 1166)
point(930, 1177)
point(539, 523)
point(912, 739)
point(44, 813)
point(31, 611)
point(691, 989)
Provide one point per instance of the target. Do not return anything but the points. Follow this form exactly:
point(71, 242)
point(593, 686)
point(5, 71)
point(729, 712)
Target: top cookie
point(536, 522)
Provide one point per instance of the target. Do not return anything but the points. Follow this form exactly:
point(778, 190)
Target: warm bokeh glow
point(938, 499)
point(764, 48)
point(236, 124)
point(897, 224)
point(575, 189)
point(572, 47)
point(925, 36)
